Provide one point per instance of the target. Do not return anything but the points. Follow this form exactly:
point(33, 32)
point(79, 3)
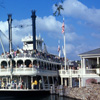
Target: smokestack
point(34, 29)
point(10, 32)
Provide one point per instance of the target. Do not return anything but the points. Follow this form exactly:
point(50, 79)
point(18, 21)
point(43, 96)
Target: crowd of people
point(34, 53)
point(20, 85)
point(12, 85)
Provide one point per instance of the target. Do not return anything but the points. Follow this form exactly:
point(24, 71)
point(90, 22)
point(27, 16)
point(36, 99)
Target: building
point(88, 71)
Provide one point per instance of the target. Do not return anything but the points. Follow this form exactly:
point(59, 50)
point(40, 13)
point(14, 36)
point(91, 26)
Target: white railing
point(72, 72)
point(47, 72)
point(69, 72)
point(75, 71)
point(4, 72)
point(27, 71)
point(90, 71)
point(24, 71)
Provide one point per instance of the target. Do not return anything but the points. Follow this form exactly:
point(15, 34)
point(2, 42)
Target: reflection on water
point(56, 97)
point(51, 97)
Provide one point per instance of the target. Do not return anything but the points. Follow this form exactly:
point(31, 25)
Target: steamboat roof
point(30, 38)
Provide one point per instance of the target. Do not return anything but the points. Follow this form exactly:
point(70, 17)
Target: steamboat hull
point(24, 93)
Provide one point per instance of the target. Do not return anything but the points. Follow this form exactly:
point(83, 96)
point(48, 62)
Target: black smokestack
point(34, 29)
point(10, 32)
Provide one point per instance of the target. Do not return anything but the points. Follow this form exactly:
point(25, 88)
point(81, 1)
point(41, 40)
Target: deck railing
point(72, 72)
point(27, 71)
point(90, 71)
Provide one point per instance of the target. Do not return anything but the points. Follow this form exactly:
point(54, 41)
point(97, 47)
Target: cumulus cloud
point(69, 48)
point(75, 8)
point(48, 26)
point(96, 35)
point(72, 36)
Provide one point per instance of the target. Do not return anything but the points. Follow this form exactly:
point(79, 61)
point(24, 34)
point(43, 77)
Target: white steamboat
point(28, 68)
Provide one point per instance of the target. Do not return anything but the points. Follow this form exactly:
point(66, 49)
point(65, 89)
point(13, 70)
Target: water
point(50, 97)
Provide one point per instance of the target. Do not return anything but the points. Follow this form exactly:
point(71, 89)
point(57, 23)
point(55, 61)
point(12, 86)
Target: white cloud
point(3, 26)
point(73, 51)
point(73, 36)
point(96, 35)
point(46, 25)
point(75, 8)
point(69, 48)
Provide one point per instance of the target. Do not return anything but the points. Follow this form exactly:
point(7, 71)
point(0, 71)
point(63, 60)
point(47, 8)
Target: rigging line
point(2, 46)
point(21, 26)
point(8, 38)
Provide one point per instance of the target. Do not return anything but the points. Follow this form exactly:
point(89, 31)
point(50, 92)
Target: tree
point(59, 7)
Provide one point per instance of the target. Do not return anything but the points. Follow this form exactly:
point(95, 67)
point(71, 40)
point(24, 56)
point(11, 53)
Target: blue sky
point(82, 24)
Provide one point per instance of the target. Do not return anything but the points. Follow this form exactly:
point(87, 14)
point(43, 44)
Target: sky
point(81, 18)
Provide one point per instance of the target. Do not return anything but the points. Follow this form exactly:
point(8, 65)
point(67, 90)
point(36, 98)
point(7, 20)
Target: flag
point(59, 51)
point(63, 27)
point(58, 48)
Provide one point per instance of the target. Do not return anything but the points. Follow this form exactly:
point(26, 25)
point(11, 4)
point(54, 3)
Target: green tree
point(59, 7)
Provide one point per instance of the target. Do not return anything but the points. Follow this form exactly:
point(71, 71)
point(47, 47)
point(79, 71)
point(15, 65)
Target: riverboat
point(31, 68)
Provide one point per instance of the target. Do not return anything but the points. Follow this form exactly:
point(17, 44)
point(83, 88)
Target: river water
point(50, 97)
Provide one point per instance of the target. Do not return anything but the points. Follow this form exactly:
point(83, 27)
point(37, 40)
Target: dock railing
point(77, 72)
point(90, 71)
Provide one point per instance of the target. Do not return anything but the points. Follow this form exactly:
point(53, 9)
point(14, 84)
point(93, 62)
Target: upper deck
point(29, 63)
point(28, 43)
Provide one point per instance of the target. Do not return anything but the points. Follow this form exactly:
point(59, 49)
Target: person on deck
point(35, 84)
point(40, 84)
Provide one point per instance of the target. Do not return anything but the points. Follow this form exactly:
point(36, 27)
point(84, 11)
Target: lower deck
point(27, 83)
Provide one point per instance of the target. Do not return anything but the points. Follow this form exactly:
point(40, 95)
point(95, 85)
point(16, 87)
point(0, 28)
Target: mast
point(34, 29)
point(10, 42)
point(10, 32)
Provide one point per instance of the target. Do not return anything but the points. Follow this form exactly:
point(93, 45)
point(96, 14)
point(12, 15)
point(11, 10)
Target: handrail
point(27, 71)
point(76, 72)
point(90, 71)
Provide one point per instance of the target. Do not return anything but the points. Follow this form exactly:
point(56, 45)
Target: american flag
point(58, 48)
point(63, 27)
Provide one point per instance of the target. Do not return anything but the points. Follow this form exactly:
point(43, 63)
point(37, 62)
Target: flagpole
point(65, 49)
point(63, 31)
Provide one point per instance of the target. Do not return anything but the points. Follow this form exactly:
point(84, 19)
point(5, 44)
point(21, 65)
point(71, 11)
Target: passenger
point(30, 65)
point(38, 66)
point(40, 84)
point(24, 66)
point(15, 84)
point(21, 66)
point(22, 84)
point(19, 85)
point(2, 85)
point(35, 84)
point(32, 84)
point(8, 85)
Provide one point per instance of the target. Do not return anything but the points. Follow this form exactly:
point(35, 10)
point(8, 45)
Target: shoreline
point(90, 92)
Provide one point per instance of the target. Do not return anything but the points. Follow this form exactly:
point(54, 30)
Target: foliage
point(59, 7)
